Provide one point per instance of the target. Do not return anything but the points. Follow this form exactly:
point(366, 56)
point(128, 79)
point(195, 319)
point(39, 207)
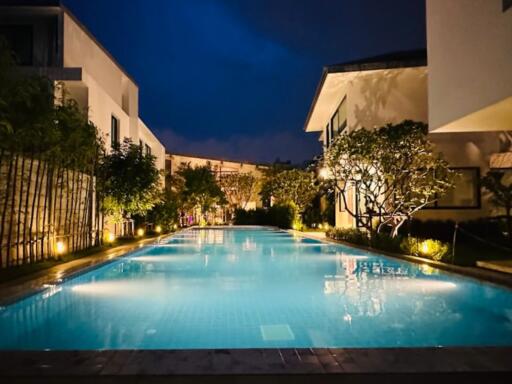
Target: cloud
point(264, 148)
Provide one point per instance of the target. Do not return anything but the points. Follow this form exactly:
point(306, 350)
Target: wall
point(376, 98)
point(157, 149)
point(470, 55)
point(39, 208)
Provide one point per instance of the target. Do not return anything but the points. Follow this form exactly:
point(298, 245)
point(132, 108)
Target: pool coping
point(278, 363)
point(481, 275)
point(31, 284)
point(254, 362)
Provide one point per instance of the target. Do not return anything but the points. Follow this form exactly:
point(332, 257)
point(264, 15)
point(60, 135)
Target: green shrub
point(429, 248)
point(282, 216)
point(350, 235)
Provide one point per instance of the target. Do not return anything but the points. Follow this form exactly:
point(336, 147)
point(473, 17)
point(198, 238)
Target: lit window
point(466, 192)
point(114, 132)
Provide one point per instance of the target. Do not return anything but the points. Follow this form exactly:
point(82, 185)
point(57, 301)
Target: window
point(338, 120)
point(114, 132)
point(465, 194)
point(327, 136)
point(20, 41)
point(148, 149)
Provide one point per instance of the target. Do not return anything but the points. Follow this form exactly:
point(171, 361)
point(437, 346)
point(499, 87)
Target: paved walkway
point(13, 290)
point(280, 364)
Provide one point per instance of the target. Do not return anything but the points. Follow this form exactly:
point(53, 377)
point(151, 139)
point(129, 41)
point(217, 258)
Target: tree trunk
point(13, 203)
point(5, 254)
point(35, 211)
point(18, 239)
point(25, 221)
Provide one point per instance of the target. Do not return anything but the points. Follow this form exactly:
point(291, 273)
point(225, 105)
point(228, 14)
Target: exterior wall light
point(158, 229)
point(140, 232)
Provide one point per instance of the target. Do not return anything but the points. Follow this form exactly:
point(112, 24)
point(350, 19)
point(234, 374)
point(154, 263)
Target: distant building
point(464, 93)
point(219, 166)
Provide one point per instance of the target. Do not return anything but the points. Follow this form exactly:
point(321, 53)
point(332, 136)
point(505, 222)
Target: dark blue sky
point(235, 78)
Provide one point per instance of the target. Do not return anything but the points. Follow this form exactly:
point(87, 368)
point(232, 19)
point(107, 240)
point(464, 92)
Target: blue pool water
point(258, 288)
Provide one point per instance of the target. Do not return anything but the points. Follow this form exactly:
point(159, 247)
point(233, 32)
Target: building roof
point(213, 158)
point(393, 60)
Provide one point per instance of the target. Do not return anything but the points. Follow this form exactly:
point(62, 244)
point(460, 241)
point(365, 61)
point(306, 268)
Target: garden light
point(111, 237)
point(140, 232)
point(158, 229)
point(60, 247)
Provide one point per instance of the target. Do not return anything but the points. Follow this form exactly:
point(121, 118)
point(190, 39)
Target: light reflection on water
point(258, 288)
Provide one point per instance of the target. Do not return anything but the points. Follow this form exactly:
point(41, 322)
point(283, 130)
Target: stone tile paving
point(253, 362)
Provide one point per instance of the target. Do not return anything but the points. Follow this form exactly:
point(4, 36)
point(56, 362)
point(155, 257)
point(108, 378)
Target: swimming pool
point(258, 288)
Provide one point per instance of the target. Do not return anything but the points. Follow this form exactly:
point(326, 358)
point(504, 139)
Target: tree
point(165, 213)
point(501, 190)
point(393, 171)
point(239, 188)
point(128, 181)
point(197, 188)
point(48, 152)
point(293, 186)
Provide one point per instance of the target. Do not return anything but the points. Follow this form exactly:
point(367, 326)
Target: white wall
point(470, 59)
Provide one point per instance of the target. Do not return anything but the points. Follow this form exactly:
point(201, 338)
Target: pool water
point(258, 288)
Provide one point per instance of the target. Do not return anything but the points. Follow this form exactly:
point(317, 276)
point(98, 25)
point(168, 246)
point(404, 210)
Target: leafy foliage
point(282, 216)
point(128, 181)
point(393, 170)
point(239, 188)
point(293, 186)
point(501, 190)
point(165, 213)
point(197, 188)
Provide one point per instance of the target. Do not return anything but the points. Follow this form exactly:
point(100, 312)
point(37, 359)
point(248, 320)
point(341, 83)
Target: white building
point(464, 93)
point(48, 39)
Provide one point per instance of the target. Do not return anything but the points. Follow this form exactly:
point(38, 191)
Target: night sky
point(235, 78)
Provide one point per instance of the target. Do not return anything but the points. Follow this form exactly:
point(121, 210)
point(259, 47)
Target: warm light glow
point(319, 226)
point(324, 173)
point(111, 237)
point(60, 247)
point(158, 229)
point(140, 232)
point(425, 248)
point(175, 226)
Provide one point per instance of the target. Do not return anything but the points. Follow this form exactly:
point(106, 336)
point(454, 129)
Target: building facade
point(48, 39)
point(466, 101)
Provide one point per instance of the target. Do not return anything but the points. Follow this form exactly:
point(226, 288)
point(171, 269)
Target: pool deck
point(353, 365)
point(254, 365)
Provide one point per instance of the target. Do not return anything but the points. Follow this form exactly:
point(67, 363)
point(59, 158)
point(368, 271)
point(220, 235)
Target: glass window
point(327, 136)
point(466, 193)
point(20, 40)
point(114, 132)
point(342, 115)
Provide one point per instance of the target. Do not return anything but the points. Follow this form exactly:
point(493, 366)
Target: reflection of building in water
point(210, 236)
point(364, 283)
